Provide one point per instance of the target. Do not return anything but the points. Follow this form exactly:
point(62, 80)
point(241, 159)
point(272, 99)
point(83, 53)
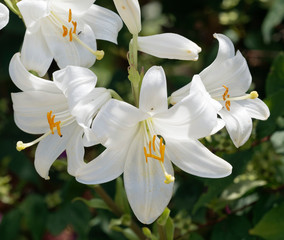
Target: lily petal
point(129, 10)
point(32, 11)
point(192, 157)
point(153, 94)
point(147, 193)
point(35, 53)
point(106, 167)
point(105, 23)
point(31, 108)
point(26, 81)
point(238, 123)
point(49, 149)
point(77, 7)
point(75, 151)
point(256, 108)
point(169, 45)
point(68, 52)
point(117, 122)
point(75, 83)
point(4, 16)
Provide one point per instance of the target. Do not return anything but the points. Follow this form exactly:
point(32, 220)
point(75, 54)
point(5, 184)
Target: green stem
point(116, 210)
point(162, 232)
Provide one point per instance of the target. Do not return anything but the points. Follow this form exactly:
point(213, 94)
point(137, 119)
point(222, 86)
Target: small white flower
point(62, 110)
point(169, 45)
point(227, 80)
point(129, 11)
point(4, 16)
point(66, 31)
point(142, 142)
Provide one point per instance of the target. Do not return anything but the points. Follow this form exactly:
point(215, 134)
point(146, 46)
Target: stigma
point(52, 125)
point(227, 99)
point(160, 156)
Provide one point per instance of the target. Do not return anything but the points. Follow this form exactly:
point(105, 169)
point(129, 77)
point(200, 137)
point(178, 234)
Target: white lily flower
point(142, 142)
point(66, 31)
point(129, 11)
point(4, 15)
point(169, 45)
point(62, 110)
point(227, 80)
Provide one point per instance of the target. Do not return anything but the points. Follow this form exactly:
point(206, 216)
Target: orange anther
point(53, 124)
point(162, 150)
point(70, 35)
point(65, 31)
point(226, 92)
point(70, 16)
point(75, 27)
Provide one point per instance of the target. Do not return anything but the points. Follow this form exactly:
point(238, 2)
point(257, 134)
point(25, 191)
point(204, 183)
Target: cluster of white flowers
point(141, 141)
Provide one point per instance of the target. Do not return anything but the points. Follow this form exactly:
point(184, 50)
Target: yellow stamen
point(226, 92)
point(70, 35)
point(70, 15)
point(53, 124)
point(159, 156)
point(225, 98)
point(75, 27)
point(65, 31)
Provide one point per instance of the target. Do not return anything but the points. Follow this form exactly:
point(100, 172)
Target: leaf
point(239, 161)
point(275, 79)
point(93, 203)
point(120, 197)
point(162, 220)
point(271, 226)
point(272, 19)
point(169, 227)
point(35, 214)
point(10, 225)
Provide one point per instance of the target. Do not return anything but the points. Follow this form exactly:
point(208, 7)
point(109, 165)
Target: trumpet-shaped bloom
point(142, 142)
point(129, 10)
point(227, 80)
point(66, 31)
point(62, 110)
point(4, 15)
point(169, 45)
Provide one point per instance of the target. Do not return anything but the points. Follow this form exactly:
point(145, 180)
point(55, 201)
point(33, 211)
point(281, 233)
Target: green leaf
point(10, 225)
point(275, 79)
point(271, 226)
point(276, 107)
point(93, 203)
point(272, 19)
point(162, 220)
point(35, 214)
point(169, 227)
point(120, 197)
point(239, 161)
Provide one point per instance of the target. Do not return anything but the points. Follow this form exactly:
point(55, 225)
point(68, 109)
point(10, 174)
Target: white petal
point(68, 52)
point(255, 108)
point(106, 167)
point(86, 109)
point(192, 157)
point(169, 45)
point(105, 23)
point(31, 108)
point(35, 54)
point(4, 16)
point(117, 122)
point(77, 7)
point(147, 193)
point(153, 94)
point(220, 124)
point(192, 117)
point(75, 83)
point(33, 10)
point(75, 152)
point(49, 149)
point(129, 11)
point(27, 81)
point(179, 94)
point(233, 73)
point(238, 123)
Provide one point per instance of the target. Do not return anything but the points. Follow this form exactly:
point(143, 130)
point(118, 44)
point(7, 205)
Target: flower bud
point(169, 45)
point(129, 11)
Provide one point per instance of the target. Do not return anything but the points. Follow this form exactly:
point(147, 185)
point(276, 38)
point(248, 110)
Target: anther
point(53, 124)
point(65, 31)
point(70, 15)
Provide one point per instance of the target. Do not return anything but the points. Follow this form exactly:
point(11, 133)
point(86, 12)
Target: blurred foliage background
point(248, 205)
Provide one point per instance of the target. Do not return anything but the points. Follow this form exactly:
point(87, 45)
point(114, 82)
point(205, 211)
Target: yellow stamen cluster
point(225, 98)
point(71, 31)
point(159, 156)
point(53, 124)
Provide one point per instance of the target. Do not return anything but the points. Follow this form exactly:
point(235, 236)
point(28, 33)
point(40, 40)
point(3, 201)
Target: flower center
point(72, 32)
point(52, 125)
point(159, 155)
point(226, 97)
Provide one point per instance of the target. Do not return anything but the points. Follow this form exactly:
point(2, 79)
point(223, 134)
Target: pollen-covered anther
point(71, 30)
point(225, 98)
point(159, 156)
point(53, 124)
